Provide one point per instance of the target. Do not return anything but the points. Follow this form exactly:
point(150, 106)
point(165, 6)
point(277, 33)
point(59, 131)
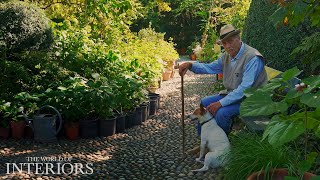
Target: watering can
point(44, 125)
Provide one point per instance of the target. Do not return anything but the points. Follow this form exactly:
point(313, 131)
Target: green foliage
point(275, 44)
point(249, 154)
point(108, 20)
point(294, 113)
point(23, 27)
point(210, 50)
point(286, 127)
point(151, 52)
point(309, 54)
point(22, 103)
point(295, 12)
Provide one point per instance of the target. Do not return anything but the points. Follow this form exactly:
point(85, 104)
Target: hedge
point(275, 43)
point(23, 27)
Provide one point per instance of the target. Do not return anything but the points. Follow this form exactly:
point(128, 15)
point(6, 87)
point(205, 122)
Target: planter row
point(96, 127)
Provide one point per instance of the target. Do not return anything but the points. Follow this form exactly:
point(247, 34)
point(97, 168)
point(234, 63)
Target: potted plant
point(22, 104)
point(191, 54)
point(193, 50)
point(294, 112)
point(68, 99)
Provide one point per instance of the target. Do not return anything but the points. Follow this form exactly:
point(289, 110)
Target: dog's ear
point(202, 110)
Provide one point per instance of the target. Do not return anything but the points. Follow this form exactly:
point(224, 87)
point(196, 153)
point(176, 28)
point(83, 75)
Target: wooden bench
point(257, 124)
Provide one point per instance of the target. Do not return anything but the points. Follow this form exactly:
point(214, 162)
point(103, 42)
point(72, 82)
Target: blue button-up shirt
point(251, 73)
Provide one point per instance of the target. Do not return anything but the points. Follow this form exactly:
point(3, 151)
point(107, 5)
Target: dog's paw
point(200, 160)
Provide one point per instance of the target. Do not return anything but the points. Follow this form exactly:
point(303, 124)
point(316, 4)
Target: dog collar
point(206, 121)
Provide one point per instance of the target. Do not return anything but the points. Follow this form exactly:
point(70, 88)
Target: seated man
point(242, 67)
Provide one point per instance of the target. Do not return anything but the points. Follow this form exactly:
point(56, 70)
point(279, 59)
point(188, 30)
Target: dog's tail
point(204, 168)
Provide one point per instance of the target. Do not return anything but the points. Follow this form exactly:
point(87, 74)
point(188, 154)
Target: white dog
point(212, 137)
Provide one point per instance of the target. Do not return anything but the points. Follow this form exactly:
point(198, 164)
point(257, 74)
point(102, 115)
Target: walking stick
point(182, 118)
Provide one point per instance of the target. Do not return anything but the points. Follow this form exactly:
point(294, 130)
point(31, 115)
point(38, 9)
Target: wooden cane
point(182, 118)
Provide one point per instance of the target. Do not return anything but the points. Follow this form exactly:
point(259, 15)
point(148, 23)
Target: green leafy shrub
point(24, 27)
point(309, 54)
point(275, 44)
point(294, 114)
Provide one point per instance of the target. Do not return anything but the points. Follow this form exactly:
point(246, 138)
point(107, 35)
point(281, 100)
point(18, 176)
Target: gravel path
point(149, 151)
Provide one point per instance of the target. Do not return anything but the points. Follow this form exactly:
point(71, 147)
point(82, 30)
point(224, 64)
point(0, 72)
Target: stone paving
point(149, 151)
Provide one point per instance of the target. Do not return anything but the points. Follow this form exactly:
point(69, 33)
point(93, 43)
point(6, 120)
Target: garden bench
point(258, 124)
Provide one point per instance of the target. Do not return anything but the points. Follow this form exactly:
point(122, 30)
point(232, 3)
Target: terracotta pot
point(166, 75)
point(172, 73)
point(277, 174)
point(4, 133)
point(220, 76)
point(193, 57)
point(72, 130)
point(17, 129)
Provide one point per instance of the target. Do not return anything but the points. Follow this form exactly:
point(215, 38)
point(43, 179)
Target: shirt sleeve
point(208, 68)
point(251, 73)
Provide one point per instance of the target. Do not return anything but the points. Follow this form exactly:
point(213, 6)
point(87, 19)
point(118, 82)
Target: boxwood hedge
point(24, 27)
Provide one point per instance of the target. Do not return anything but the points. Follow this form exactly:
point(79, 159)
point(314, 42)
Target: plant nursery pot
point(17, 129)
point(89, 128)
point(220, 76)
point(107, 127)
point(137, 120)
point(158, 98)
point(121, 123)
point(129, 119)
point(172, 73)
point(166, 75)
point(153, 105)
point(72, 130)
point(276, 174)
point(4, 133)
point(144, 111)
point(193, 57)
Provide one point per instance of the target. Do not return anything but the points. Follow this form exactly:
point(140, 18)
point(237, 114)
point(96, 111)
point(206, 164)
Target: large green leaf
point(311, 100)
point(290, 74)
point(312, 82)
point(317, 131)
point(293, 94)
point(277, 16)
point(273, 84)
point(261, 104)
point(312, 120)
point(283, 130)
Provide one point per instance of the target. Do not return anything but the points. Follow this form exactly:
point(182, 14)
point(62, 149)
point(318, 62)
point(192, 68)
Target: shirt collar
point(239, 53)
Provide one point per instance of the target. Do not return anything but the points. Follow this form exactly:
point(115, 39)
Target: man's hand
point(213, 107)
point(184, 67)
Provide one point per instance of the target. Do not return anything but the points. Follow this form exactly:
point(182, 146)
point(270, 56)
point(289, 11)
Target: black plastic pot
point(107, 127)
point(129, 119)
point(88, 128)
point(121, 123)
point(138, 116)
point(157, 95)
point(153, 106)
point(144, 111)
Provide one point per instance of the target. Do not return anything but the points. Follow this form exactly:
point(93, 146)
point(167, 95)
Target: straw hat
point(226, 32)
